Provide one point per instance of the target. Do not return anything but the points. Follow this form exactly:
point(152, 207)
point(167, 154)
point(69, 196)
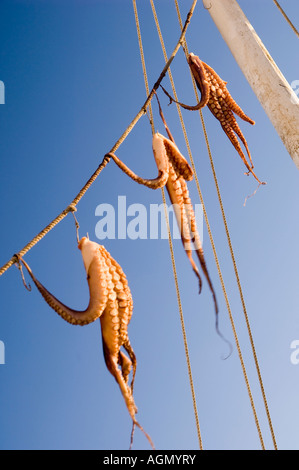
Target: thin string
point(238, 282)
point(143, 63)
point(20, 267)
point(171, 248)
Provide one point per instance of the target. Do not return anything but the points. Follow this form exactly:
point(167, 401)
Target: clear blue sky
point(73, 82)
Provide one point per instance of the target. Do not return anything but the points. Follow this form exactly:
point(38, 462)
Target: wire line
point(287, 18)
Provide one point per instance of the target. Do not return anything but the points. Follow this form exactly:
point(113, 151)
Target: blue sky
point(73, 82)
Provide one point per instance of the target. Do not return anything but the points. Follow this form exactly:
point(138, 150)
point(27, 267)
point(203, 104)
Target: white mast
point(268, 83)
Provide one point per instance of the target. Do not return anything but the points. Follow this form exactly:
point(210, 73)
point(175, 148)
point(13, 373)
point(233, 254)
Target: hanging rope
point(71, 207)
point(170, 244)
point(287, 18)
point(237, 279)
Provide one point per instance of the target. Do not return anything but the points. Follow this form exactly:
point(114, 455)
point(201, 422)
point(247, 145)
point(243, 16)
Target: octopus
point(215, 95)
point(174, 172)
point(110, 300)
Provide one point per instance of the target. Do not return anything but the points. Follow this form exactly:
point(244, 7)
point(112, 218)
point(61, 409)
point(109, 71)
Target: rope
point(171, 247)
point(287, 18)
point(242, 301)
point(182, 325)
point(237, 279)
point(58, 219)
point(106, 159)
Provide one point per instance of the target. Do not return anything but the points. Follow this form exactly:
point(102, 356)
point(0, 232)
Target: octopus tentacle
point(180, 172)
point(112, 365)
point(237, 146)
point(199, 73)
point(96, 305)
point(223, 94)
point(175, 192)
point(216, 96)
point(222, 105)
point(126, 366)
point(127, 346)
point(124, 301)
point(179, 162)
point(114, 323)
point(197, 242)
point(243, 140)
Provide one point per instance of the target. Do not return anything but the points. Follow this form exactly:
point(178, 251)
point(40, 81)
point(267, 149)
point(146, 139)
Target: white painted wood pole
point(278, 99)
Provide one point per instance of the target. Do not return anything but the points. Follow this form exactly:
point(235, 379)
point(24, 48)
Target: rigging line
point(236, 274)
point(286, 17)
point(244, 309)
point(170, 245)
point(182, 324)
point(143, 63)
point(106, 159)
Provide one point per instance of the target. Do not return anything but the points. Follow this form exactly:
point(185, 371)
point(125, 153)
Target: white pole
point(268, 83)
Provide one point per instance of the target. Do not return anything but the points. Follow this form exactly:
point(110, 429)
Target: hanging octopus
point(174, 172)
point(111, 302)
point(216, 96)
